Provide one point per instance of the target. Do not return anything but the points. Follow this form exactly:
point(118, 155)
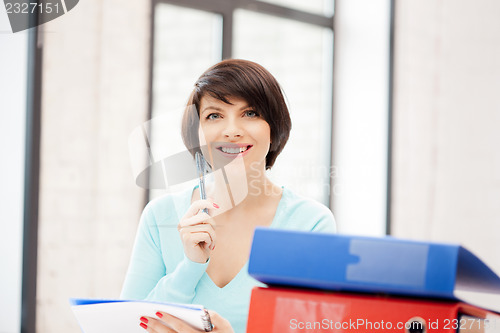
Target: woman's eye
point(213, 116)
point(251, 113)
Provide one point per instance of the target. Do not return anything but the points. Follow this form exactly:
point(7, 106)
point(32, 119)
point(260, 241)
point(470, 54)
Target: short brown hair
point(246, 80)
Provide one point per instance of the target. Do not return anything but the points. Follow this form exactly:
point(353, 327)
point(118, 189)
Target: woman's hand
point(197, 231)
point(166, 323)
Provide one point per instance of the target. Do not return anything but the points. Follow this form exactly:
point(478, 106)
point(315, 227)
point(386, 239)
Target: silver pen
point(200, 167)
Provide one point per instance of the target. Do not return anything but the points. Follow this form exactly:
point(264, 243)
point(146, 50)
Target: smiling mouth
point(234, 150)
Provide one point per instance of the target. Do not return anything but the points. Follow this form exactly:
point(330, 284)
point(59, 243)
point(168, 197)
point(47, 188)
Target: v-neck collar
point(230, 285)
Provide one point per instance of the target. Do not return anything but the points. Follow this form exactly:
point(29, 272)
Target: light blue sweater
point(160, 271)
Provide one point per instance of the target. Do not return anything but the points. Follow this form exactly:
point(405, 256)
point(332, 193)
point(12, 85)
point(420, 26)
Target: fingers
point(196, 237)
point(175, 325)
point(197, 219)
point(214, 316)
point(195, 233)
point(154, 325)
point(220, 323)
point(194, 215)
point(198, 206)
point(166, 323)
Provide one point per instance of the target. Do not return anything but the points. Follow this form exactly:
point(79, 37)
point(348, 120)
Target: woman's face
point(234, 130)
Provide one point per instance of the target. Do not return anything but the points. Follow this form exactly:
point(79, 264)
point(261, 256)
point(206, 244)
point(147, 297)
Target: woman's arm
point(147, 276)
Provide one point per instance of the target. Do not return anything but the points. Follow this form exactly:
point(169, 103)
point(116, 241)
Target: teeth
point(233, 150)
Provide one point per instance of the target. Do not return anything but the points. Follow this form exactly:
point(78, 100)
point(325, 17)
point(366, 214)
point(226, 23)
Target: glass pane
point(322, 7)
point(300, 57)
point(186, 43)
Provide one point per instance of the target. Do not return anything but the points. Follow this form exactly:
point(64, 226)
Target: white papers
point(105, 316)
point(488, 301)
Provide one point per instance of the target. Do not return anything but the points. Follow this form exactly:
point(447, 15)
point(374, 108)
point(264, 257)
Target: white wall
point(360, 92)
point(13, 75)
point(94, 93)
point(447, 124)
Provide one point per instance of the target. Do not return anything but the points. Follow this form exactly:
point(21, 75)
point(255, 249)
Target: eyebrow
point(216, 108)
point(211, 108)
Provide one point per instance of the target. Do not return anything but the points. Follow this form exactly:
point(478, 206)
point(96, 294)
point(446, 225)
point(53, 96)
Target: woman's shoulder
point(306, 213)
point(168, 207)
point(297, 202)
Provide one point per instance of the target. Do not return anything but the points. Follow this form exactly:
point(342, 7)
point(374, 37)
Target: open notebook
point(104, 316)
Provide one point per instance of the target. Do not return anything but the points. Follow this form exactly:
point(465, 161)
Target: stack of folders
point(334, 283)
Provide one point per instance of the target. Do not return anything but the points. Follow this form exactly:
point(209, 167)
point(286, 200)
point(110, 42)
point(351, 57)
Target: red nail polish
point(144, 326)
point(144, 320)
point(216, 206)
point(159, 315)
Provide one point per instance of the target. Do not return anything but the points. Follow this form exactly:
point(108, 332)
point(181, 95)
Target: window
point(299, 55)
point(186, 42)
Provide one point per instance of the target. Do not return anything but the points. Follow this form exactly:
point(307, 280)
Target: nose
point(232, 129)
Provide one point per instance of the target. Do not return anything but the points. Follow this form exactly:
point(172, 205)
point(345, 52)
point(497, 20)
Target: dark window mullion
point(215, 6)
point(227, 35)
point(226, 7)
point(286, 12)
point(31, 180)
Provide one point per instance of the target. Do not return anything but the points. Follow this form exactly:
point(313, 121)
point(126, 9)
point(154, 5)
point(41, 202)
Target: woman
point(238, 119)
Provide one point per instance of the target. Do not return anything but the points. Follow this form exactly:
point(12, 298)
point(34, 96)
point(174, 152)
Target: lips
point(233, 149)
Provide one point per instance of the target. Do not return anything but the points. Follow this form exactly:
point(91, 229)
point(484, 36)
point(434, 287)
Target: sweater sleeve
point(147, 276)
